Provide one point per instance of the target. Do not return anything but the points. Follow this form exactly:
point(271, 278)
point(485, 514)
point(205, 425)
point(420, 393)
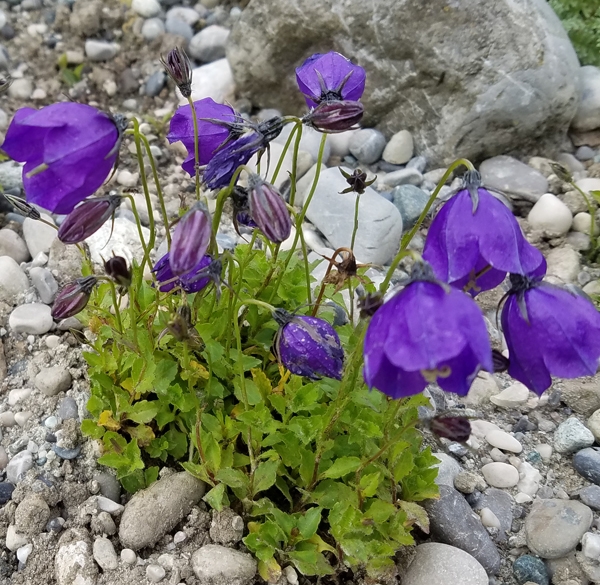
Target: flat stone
point(448, 469)
point(367, 145)
point(549, 518)
point(13, 245)
point(500, 503)
point(38, 236)
point(218, 564)
point(590, 496)
point(530, 569)
point(572, 435)
point(504, 441)
point(582, 395)
point(551, 216)
point(209, 44)
point(453, 522)
point(435, 563)
point(146, 8)
point(588, 111)
point(410, 202)
point(33, 318)
point(513, 178)
point(587, 463)
point(13, 281)
point(74, 562)
point(154, 511)
point(105, 554)
point(514, 396)
point(45, 283)
point(500, 475)
point(399, 150)
point(101, 50)
point(52, 380)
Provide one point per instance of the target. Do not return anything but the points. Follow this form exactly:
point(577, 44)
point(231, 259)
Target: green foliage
point(581, 19)
point(327, 473)
point(69, 74)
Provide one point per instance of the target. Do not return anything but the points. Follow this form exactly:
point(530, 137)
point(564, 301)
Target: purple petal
point(393, 381)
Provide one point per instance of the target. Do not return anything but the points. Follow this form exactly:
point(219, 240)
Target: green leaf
point(165, 373)
point(151, 475)
point(217, 498)
point(269, 570)
point(234, 478)
point(341, 467)
point(380, 511)
point(310, 562)
point(309, 523)
point(369, 484)
point(142, 411)
point(416, 514)
point(178, 444)
point(264, 476)
point(91, 429)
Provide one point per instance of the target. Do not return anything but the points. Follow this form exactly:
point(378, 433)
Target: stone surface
point(453, 522)
point(119, 238)
point(410, 202)
point(100, 50)
point(379, 222)
point(38, 236)
point(520, 88)
point(530, 569)
point(440, 564)
point(12, 244)
point(448, 469)
point(504, 441)
point(588, 112)
point(572, 435)
point(400, 148)
point(500, 475)
point(590, 496)
point(587, 463)
point(13, 281)
point(551, 216)
point(549, 518)
point(105, 555)
point(513, 178)
point(367, 145)
point(154, 511)
point(44, 283)
point(74, 563)
point(226, 527)
point(146, 8)
point(512, 397)
point(20, 464)
point(32, 318)
point(214, 80)
point(153, 28)
point(500, 503)
point(217, 564)
point(564, 264)
point(52, 380)
point(31, 515)
point(581, 395)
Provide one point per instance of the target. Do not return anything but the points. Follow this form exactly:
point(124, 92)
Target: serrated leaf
point(91, 429)
point(106, 420)
point(165, 373)
point(416, 515)
point(269, 570)
point(142, 411)
point(234, 478)
point(265, 476)
point(341, 467)
point(309, 523)
point(369, 484)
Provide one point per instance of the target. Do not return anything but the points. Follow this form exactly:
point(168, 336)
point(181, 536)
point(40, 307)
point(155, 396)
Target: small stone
point(24, 552)
point(209, 44)
point(402, 177)
point(291, 575)
point(65, 453)
point(480, 428)
point(3, 458)
point(467, 482)
point(18, 466)
point(213, 562)
point(367, 145)
point(585, 153)
point(587, 463)
point(20, 89)
point(399, 150)
point(188, 15)
point(214, 80)
point(14, 540)
point(33, 318)
point(179, 537)
point(128, 556)
point(31, 515)
point(18, 395)
point(551, 216)
point(13, 281)
point(588, 111)
point(109, 485)
point(105, 555)
point(504, 441)
point(448, 469)
point(500, 475)
point(529, 479)
point(582, 222)
point(13, 245)
point(155, 573)
point(590, 496)
point(572, 435)
point(52, 341)
point(489, 519)
point(6, 491)
point(514, 178)
point(52, 380)
point(226, 527)
point(180, 28)
point(45, 284)
point(51, 422)
point(549, 518)
point(153, 28)
point(514, 396)
point(564, 264)
point(74, 561)
point(530, 569)
point(435, 563)
point(498, 455)
point(100, 50)
point(545, 451)
point(127, 178)
point(153, 87)
point(68, 408)
point(104, 524)
point(590, 545)
point(7, 419)
point(410, 202)
point(146, 8)
point(39, 237)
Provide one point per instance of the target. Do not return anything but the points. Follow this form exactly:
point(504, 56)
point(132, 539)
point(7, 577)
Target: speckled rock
point(572, 435)
point(218, 564)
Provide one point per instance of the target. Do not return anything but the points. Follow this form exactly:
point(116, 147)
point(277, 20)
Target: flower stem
point(196, 146)
point(285, 149)
point(113, 292)
point(138, 221)
point(407, 238)
point(355, 229)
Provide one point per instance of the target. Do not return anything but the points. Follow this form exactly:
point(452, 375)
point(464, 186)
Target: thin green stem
point(285, 149)
point(196, 146)
point(355, 228)
point(294, 176)
point(138, 222)
point(113, 292)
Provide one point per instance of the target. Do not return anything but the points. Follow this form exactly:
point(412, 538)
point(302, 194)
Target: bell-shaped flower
point(549, 331)
point(475, 240)
point(428, 332)
point(69, 150)
point(268, 210)
point(330, 77)
point(190, 282)
point(308, 346)
point(334, 116)
point(73, 297)
point(211, 134)
point(190, 241)
point(87, 218)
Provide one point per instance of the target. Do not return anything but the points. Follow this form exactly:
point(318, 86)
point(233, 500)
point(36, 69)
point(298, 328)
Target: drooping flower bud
point(454, 428)
point(268, 210)
point(73, 298)
point(357, 181)
point(23, 207)
point(116, 268)
point(190, 240)
point(179, 69)
point(87, 218)
point(308, 346)
point(336, 116)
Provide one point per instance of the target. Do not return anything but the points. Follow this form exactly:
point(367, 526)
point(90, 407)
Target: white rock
point(33, 318)
point(14, 540)
point(13, 281)
point(489, 519)
point(310, 142)
point(590, 545)
point(498, 455)
point(529, 479)
point(213, 562)
point(124, 241)
point(153, 28)
point(545, 451)
point(550, 215)
point(588, 112)
point(127, 178)
point(38, 236)
point(50, 381)
point(214, 80)
point(155, 573)
point(564, 264)
point(504, 441)
point(105, 555)
point(22, 417)
point(24, 552)
point(187, 15)
point(512, 397)
point(500, 475)
point(340, 143)
point(100, 50)
point(146, 8)
point(21, 89)
point(480, 428)
point(107, 505)
point(304, 164)
point(17, 395)
point(7, 419)
point(399, 150)
point(13, 245)
point(3, 458)
point(128, 556)
point(482, 389)
point(582, 222)
point(74, 563)
point(522, 498)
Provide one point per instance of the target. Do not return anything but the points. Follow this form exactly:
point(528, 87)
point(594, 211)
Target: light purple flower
point(190, 241)
point(549, 331)
point(475, 240)
point(308, 346)
point(224, 163)
point(268, 210)
point(330, 77)
point(428, 332)
point(190, 282)
point(69, 150)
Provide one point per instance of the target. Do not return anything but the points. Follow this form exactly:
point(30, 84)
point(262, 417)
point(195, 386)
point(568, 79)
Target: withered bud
point(562, 172)
point(335, 116)
point(116, 268)
point(357, 181)
point(73, 298)
point(23, 207)
point(179, 69)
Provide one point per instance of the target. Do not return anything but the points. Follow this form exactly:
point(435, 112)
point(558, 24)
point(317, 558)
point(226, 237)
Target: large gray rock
point(379, 222)
point(153, 512)
point(465, 78)
point(588, 113)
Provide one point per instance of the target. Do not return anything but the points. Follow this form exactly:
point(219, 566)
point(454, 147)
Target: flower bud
point(268, 210)
point(190, 240)
point(23, 207)
point(87, 218)
point(179, 69)
point(335, 116)
point(116, 268)
point(73, 298)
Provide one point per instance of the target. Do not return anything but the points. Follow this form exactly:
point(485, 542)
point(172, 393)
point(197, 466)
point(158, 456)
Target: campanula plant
point(225, 363)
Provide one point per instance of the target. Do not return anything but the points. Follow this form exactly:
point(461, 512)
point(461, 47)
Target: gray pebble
point(45, 284)
point(155, 573)
point(105, 555)
point(178, 27)
point(153, 28)
point(18, 466)
point(209, 44)
point(33, 318)
point(64, 453)
point(188, 15)
point(68, 408)
point(212, 562)
point(109, 485)
point(410, 202)
point(417, 162)
point(585, 153)
point(50, 381)
point(590, 496)
point(13, 281)
point(155, 84)
point(6, 491)
point(367, 145)
point(100, 50)
point(402, 177)
point(13, 245)
point(572, 435)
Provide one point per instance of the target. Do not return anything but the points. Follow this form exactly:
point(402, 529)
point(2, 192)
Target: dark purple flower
point(190, 240)
point(429, 332)
point(549, 331)
point(475, 240)
point(116, 267)
point(73, 297)
point(308, 346)
point(222, 166)
point(164, 275)
point(330, 77)
point(211, 135)
point(179, 69)
point(455, 428)
point(87, 218)
point(268, 210)
point(191, 282)
point(335, 116)
point(69, 149)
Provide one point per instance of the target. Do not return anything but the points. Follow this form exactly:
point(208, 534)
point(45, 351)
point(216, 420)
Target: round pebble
point(24, 552)
point(367, 145)
point(399, 149)
point(33, 318)
point(146, 8)
point(128, 556)
point(18, 466)
point(514, 396)
point(582, 222)
point(105, 555)
point(13, 281)
point(502, 440)
point(68, 408)
point(550, 215)
point(590, 545)
point(500, 475)
point(155, 573)
point(587, 463)
point(530, 569)
point(153, 28)
point(572, 435)
point(489, 519)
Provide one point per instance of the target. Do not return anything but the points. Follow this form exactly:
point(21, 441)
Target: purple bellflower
point(193, 281)
point(190, 241)
point(308, 346)
point(179, 69)
point(73, 297)
point(334, 116)
point(69, 149)
point(549, 331)
point(211, 135)
point(268, 210)
point(87, 218)
point(330, 77)
point(429, 332)
point(475, 240)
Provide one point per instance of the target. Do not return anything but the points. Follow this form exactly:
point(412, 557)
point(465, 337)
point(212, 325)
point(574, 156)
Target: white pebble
point(155, 573)
point(7, 419)
point(489, 519)
point(590, 545)
point(545, 451)
point(18, 394)
point(550, 215)
point(179, 536)
point(500, 475)
point(522, 498)
point(480, 428)
point(21, 418)
point(24, 552)
point(513, 396)
point(51, 422)
point(128, 556)
point(582, 222)
point(502, 440)
point(498, 455)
